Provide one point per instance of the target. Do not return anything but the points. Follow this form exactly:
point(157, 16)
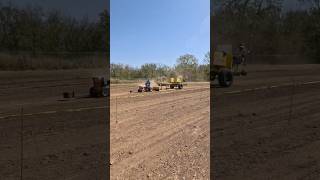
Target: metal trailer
point(177, 85)
point(173, 83)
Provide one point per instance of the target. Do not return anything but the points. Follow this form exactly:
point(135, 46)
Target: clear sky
point(153, 31)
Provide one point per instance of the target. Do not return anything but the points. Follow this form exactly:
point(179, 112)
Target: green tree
point(149, 70)
point(206, 59)
point(205, 68)
point(186, 66)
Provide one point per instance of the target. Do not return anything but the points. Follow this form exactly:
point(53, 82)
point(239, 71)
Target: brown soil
point(160, 135)
point(62, 139)
point(263, 127)
point(271, 132)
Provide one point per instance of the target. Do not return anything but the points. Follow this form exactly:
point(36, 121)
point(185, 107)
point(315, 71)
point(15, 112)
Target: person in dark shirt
point(148, 87)
point(240, 60)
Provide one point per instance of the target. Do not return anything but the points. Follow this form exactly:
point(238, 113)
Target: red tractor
point(146, 87)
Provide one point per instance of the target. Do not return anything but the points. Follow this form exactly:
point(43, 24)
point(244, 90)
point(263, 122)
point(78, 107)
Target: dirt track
point(160, 135)
point(62, 139)
point(263, 127)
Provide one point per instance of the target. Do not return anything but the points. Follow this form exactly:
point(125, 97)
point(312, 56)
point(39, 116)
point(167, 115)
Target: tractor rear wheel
point(225, 78)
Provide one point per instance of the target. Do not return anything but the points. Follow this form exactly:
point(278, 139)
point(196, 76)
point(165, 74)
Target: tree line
point(186, 65)
point(33, 38)
point(32, 29)
point(273, 33)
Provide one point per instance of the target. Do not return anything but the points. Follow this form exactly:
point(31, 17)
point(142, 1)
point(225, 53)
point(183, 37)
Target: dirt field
point(62, 139)
point(266, 128)
point(263, 127)
point(160, 135)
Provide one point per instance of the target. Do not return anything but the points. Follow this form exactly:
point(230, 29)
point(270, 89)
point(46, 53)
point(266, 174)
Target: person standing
point(242, 59)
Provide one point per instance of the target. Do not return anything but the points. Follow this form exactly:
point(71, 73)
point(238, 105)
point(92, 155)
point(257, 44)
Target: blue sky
point(153, 31)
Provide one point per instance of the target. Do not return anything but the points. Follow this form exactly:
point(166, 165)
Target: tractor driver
point(148, 83)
